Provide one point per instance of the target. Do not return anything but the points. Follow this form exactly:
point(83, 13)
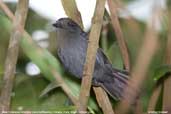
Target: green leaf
point(161, 71)
point(26, 95)
point(49, 88)
point(114, 56)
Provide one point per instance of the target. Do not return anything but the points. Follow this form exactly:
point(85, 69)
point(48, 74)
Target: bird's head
point(67, 25)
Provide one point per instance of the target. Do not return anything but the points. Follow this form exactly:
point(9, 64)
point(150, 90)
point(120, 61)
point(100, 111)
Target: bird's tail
point(115, 87)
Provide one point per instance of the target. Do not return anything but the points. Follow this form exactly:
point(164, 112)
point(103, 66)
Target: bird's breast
point(72, 56)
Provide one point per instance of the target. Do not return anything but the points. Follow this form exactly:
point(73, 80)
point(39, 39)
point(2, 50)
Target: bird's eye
point(71, 24)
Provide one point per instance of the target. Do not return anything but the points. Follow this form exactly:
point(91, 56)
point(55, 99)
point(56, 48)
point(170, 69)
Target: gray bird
point(72, 44)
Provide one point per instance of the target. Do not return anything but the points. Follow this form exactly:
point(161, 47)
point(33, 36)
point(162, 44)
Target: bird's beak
point(57, 25)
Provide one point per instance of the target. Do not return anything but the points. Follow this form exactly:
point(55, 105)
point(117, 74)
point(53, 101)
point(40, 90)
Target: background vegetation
point(41, 92)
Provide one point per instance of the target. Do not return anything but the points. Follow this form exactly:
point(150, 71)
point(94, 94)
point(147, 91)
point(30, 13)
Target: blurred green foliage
point(26, 95)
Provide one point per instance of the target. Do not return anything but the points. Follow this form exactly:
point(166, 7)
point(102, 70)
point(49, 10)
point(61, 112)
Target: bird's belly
point(73, 60)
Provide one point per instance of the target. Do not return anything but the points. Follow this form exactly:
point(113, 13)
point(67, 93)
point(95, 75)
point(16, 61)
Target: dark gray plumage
point(72, 44)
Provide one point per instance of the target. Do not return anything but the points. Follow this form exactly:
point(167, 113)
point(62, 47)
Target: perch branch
point(12, 54)
point(140, 69)
point(105, 102)
point(167, 82)
point(119, 34)
point(91, 55)
point(154, 97)
point(72, 11)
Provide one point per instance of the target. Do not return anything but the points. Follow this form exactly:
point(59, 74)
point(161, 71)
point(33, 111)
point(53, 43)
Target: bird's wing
point(101, 58)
